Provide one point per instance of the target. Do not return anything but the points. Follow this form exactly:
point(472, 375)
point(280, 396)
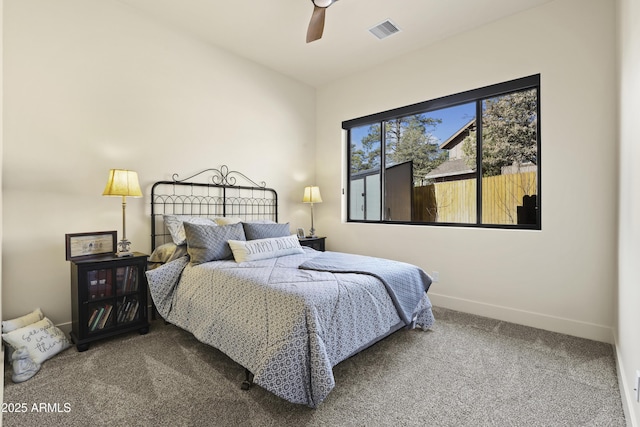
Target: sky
point(453, 118)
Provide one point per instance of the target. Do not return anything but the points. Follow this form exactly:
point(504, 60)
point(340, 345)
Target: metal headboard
point(219, 196)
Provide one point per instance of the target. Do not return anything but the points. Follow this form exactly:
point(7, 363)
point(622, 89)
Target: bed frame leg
point(248, 381)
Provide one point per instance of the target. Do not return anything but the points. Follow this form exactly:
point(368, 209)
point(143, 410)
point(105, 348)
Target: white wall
point(94, 85)
point(90, 86)
point(562, 278)
point(628, 336)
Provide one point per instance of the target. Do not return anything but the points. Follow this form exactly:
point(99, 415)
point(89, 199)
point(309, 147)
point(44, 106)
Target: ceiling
point(272, 32)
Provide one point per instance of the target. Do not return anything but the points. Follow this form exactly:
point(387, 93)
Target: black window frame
point(475, 95)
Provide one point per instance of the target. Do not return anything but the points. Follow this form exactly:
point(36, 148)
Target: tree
point(368, 157)
point(509, 127)
point(357, 159)
point(407, 138)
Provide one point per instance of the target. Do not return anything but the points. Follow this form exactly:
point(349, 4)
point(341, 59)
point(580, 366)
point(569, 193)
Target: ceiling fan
point(316, 25)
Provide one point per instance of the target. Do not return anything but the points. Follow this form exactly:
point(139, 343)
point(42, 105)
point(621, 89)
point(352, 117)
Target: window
point(467, 159)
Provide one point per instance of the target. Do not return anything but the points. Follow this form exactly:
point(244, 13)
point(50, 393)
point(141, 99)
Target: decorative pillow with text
point(253, 250)
point(42, 339)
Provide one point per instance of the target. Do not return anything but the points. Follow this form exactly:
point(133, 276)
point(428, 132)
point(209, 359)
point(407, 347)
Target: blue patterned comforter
point(405, 283)
point(288, 326)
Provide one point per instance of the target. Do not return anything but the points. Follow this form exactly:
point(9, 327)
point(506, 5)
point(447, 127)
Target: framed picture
point(82, 245)
point(300, 233)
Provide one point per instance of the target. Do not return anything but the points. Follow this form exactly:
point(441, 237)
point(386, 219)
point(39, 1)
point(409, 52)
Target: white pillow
point(226, 220)
point(253, 250)
point(175, 225)
point(167, 253)
point(42, 339)
point(22, 321)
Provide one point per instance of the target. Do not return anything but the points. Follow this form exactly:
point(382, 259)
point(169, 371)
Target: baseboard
point(65, 327)
point(626, 390)
point(522, 317)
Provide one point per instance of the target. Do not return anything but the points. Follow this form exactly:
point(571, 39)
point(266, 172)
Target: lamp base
point(124, 249)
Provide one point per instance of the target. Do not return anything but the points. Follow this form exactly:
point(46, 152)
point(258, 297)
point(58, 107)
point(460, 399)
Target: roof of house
point(450, 168)
point(459, 136)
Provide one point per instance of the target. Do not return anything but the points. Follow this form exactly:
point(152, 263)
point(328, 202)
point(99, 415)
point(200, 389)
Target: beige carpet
point(468, 371)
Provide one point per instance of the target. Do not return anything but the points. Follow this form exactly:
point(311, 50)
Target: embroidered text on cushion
point(258, 249)
point(42, 339)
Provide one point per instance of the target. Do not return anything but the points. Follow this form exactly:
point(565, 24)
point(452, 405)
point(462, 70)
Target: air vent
point(384, 29)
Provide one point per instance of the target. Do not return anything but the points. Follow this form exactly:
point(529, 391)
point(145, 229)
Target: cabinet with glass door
point(109, 297)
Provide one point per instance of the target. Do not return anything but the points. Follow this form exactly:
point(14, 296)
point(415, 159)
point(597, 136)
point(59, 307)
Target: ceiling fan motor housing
point(323, 3)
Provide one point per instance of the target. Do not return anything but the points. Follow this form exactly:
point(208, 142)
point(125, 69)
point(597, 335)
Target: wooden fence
point(455, 201)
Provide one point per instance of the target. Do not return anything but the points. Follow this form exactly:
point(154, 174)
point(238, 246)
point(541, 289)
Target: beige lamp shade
point(122, 183)
point(312, 195)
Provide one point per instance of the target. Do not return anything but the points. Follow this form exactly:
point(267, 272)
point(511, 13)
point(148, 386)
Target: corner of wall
point(625, 388)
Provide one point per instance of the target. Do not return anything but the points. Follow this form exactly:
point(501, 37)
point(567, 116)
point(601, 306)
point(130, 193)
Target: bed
point(224, 269)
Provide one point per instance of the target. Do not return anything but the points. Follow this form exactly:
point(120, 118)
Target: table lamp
point(312, 195)
point(123, 183)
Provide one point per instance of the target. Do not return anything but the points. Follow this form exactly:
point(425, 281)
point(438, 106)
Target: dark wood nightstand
point(316, 243)
point(108, 296)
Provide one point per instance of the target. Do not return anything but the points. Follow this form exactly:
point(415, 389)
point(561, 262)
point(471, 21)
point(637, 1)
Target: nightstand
point(316, 243)
point(108, 296)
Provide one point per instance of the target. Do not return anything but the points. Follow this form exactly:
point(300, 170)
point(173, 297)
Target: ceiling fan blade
point(316, 25)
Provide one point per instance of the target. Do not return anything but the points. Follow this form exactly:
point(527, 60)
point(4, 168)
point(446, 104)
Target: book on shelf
point(127, 309)
point(133, 310)
point(108, 286)
point(133, 283)
point(127, 287)
point(127, 279)
point(92, 280)
point(93, 317)
point(105, 316)
point(121, 278)
point(102, 283)
point(121, 310)
point(96, 320)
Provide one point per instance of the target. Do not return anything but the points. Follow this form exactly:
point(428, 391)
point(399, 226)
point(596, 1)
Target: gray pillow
point(254, 230)
point(209, 242)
